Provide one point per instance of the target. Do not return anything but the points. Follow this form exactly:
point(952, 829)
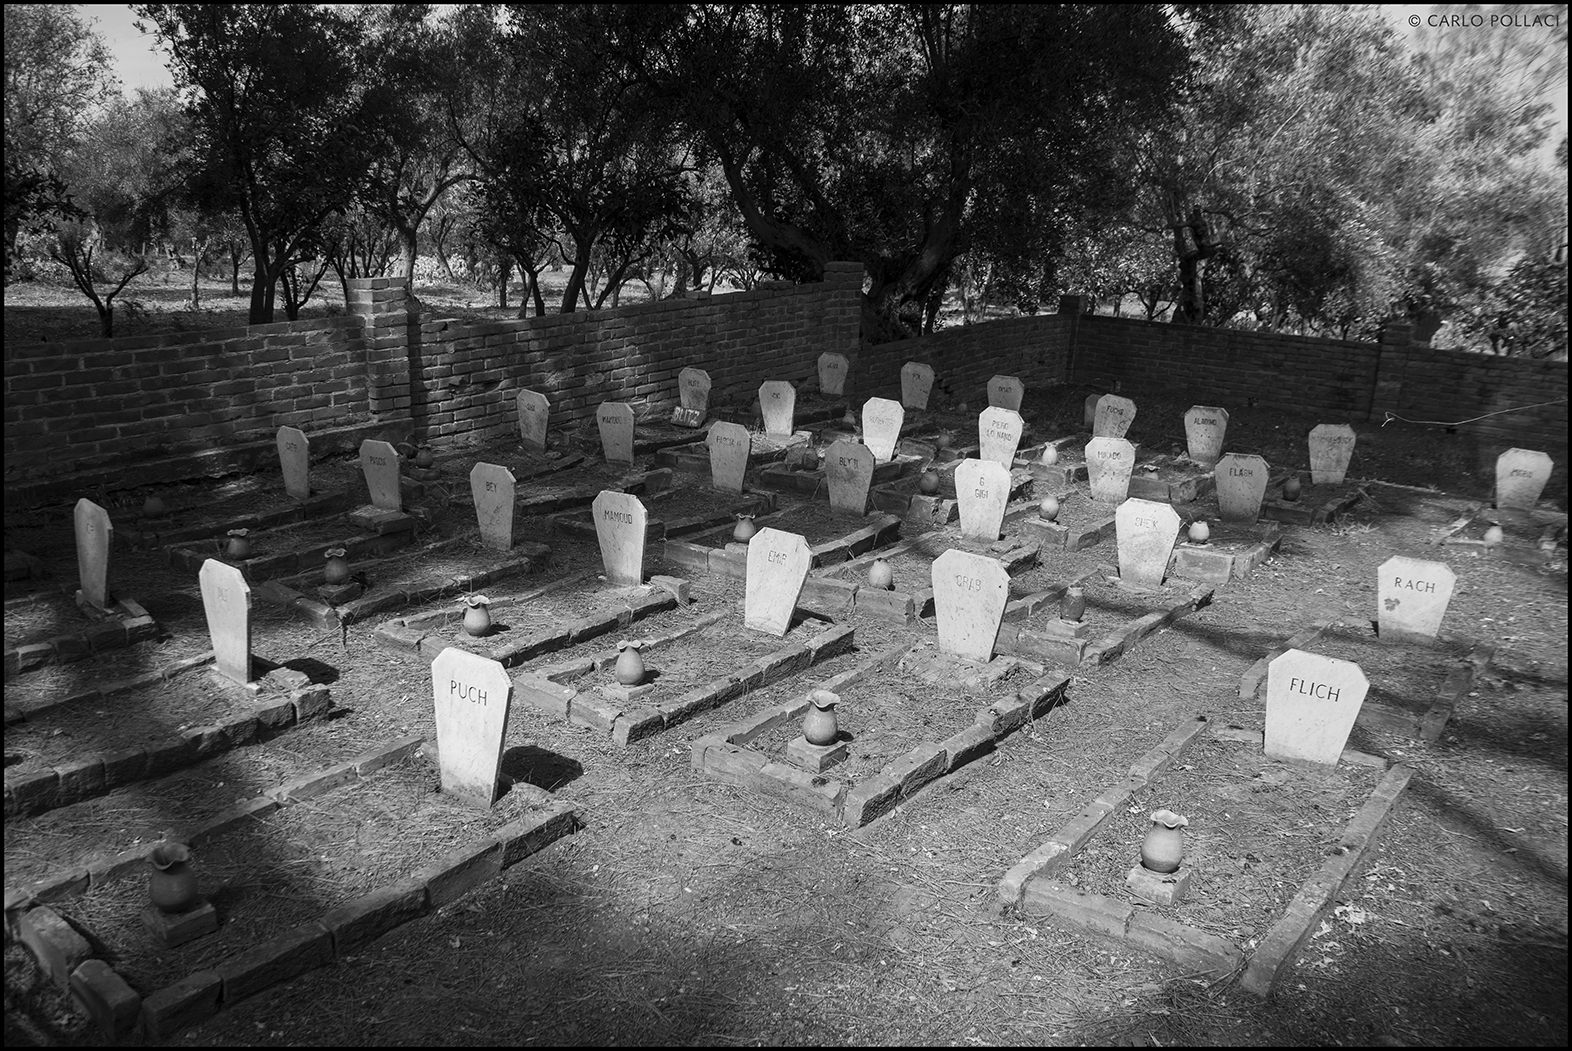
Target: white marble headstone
point(1311, 704)
point(534, 413)
point(916, 382)
point(95, 535)
point(1091, 409)
point(982, 488)
point(833, 368)
point(730, 444)
point(969, 595)
point(621, 525)
point(492, 487)
point(1412, 596)
point(294, 457)
point(1114, 416)
point(1109, 463)
point(693, 387)
point(379, 463)
point(616, 431)
point(1241, 486)
point(848, 468)
point(472, 696)
point(1521, 475)
point(778, 401)
point(226, 598)
point(999, 434)
point(1204, 429)
point(882, 420)
point(1331, 447)
point(778, 564)
point(1006, 392)
point(1146, 531)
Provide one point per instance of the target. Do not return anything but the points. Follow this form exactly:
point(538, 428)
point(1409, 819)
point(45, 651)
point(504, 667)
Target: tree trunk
point(407, 253)
point(1194, 244)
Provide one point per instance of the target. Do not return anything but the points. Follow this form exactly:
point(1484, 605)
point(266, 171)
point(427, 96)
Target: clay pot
point(928, 484)
point(171, 883)
point(1200, 532)
point(944, 441)
point(1292, 488)
point(1049, 508)
point(819, 724)
point(239, 544)
point(880, 575)
point(337, 569)
point(477, 617)
point(1163, 848)
point(630, 666)
point(849, 421)
point(1073, 605)
point(153, 507)
point(1494, 535)
point(744, 529)
point(424, 457)
point(961, 407)
point(1050, 455)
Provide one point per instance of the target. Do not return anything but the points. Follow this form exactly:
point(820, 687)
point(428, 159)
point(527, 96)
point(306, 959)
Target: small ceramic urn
point(1050, 455)
point(337, 569)
point(849, 421)
point(424, 457)
point(171, 883)
point(744, 529)
point(1200, 532)
point(477, 615)
point(880, 576)
point(819, 725)
point(630, 666)
point(239, 543)
point(153, 507)
point(1049, 508)
point(1073, 605)
point(1494, 535)
point(1292, 488)
point(944, 441)
point(928, 484)
point(1163, 848)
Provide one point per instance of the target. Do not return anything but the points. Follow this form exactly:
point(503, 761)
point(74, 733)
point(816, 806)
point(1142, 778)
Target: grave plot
point(679, 511)
point(915, 498)
point(693, 459)
point(1170, 479)
point(45, 628)
point(1115, 619)
point(909, 593)
point(450, 469)
point(1293, 501)
point(574, 487)
point(200, 512)
point(1068, 466)
point(831, 537)
point(1078, 523)
point(808, 475)
point(1231, 551)
point(302, 547)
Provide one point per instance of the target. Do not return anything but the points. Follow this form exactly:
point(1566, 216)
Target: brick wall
point(1450, 386)
point(1034, 349)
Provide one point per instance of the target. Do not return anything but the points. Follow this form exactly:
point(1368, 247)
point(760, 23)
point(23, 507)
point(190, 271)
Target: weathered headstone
point(534, 413)
point(1331, 447)
point(848, 467)
point(1521, 475)
point(226, 599)
point(1241, 486)
point(1091, 409)
point(1204, 429)
point(294, 457)
point(693, 387)
point(621, 524)
point(379, 463)
point(1311, 704)
point(969, 595)
point(999, 434)
point(778, 564)
point(1109, 463)
point(833, 369)
point(730, 444)
point(982, 488)
point(1146, 531)
point(916, 382)
point(492, 487)
point(1412, 596)
point(616, 431)
point(1006, 392)
point(1114, 416)
point(472, 696)
point(95, 536)
point(882, 420)
point(778, 401)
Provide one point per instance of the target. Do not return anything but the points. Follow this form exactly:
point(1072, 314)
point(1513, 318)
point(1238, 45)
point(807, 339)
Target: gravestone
point(1521, 475)
point(294, 457)
point(848, 467)
point(778, 403)
point(999, 435)
point(472, 696)
point(1411, 598)
point(1241, 486)
point(882, 420)
point(1091, 409)
point(1331, 447)
point(226, 599)
point(1146, 531)
point(1109, 463)
point(492, 487)
point(1114, 416)
point(833, 369)
point(778, 564)
point(1311, 704)
point(730, 444)
point(621, 525)
point(916, 382)
point(693, 387)
point(95, 535)
point(534, 412)
point(379, 463)
point(616, 431)
point(1204, 429)
point(969, 596)
point(982, 488)
point(1006, 392)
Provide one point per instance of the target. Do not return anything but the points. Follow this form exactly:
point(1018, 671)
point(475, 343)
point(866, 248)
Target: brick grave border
point(815, 484)
point(382, 534)
point(1186, 481)
point(125, 624)
point(159, 532)
point(1212, 564)
point(1314, 507)
point(121, 1014)
point(1056, 536)
point(1019, 641)
point(880, 530)
point(837, 586)
point(580, 523)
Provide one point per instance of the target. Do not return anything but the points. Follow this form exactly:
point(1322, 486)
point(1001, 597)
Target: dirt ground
point(691, 912)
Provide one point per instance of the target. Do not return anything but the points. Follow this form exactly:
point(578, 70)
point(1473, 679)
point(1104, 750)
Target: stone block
point(370, 916)
point(924, 763)
point(1158, 888)
point(171, 929)
point(112, 1004)
point(816, 758)
point(870, 800)
point(460, 872)
point(190, 1001)
point(526, 835)
point(54, 943)
point(550, 697)
point(1093, 912)
point(311, 702)
point(81, 779)
point(971, 743)
point(1196, 951)
point(276, 960)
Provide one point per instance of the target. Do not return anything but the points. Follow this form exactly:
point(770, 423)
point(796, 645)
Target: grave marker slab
point(1006, 392)
point(472, 695)
point(1311, 704)
point(778, 401)
point(226, 599)
point(1241, 486)
point(833, 369)
point(982, 488)
point(848, 467)
point(916, 382)
point(621, 524)
point(1331, 447)
point(882, 420)
point(1204, 429)
point(1091, 409)
point(969, 595)
point(693, 387)
point(616, 431)
point(1146, 531)
point(1114, 416)
point(999, 434)
point(1521, 475)
point(1411, 597)
point(379, 463)
point(730, 444)
point(294, 457)
point(778, 564)
point(493, 488)
point(95, 536)
point(534, 412)
point(1109, 462)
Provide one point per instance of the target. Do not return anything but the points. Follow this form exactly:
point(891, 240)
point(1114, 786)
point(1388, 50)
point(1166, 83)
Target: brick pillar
point(383, 305)
point(1386, 381)
point(844, 281)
